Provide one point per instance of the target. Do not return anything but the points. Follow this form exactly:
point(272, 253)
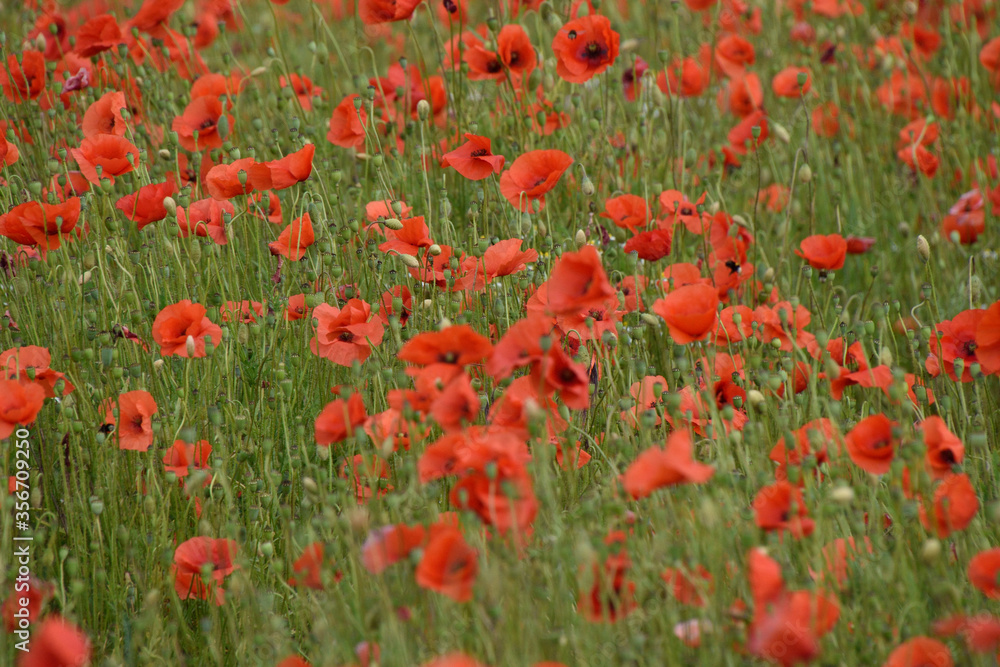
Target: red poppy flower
point(303, 88)
point(31, 595)
point(104, 116)
point(448, 565)
point(19, 405)
point(347, 124)
point(952, 340)
point(788, 630)
point(294, 239)
point(983, 570)
point(408, 240)
point(338, 420)
point(966, 219)
point(225, 181)
point(183, 330)
point(291, 169)
point(473, 159)
point(99, 34)
point(23, 78)
point(308, 568)
point(578, 283)
point(943, 448)
point(532, 175)
point(690, 312)
point(145, 205)
point(134, 423)
point(733, 53)
point(206, 218)
point(105, 156)
point(825, 253)
point(687, 77)
point(920, 652)
point(390, 544)
point(43, 225)
point(182, 456)
point(457, 345)
point(612, 595)
point(651, 245)
point(344, 335)
point(781, 506)
point(658, 467)
point(786, 82)
point(955, 505)
point(30, 365)
point(585, 47)
point(373, 12)
point(988, 340)
point(201, 117)
point(198, 555)
point(872, 445)
point(57, 642)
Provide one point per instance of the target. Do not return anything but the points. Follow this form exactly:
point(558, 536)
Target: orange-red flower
point(347, 124)
point(943, 448)
point(473, 159)
point(198, 127)
point(37, 224)
point(983, 570)
point(338, 420)
point(786, 82)
point(291, 169)
point(183, 330)
point(458, 345)
point(988, 340)
point(19, 405)
point(448, 565)
point(225, 181)
point(658, 467)
point(920, 652)
point(690, 312)
point(105, 156)
point(23, 78)
point(104, 116)
point(578, 283)
point(955, 505)
point(954, 340)
point(781, 506)
point(205, 218)
point(585, 47)
point(197, 555)
point(294, 239)
point(390, 544)
point(145, 205)
point(134, 422)
point(532, 175)
point(182, 456)
point(373, 12)
point(30, 365)
point(871, 444)
point(825, 253)
point(56, 641)
point(345, 335)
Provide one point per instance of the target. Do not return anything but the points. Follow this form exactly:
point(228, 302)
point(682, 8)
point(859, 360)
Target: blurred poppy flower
point(23, 78)
point(658, 467)
point(448, 565)
point(182, 456)
point(57, 642)
point(920, 652)
point(338, 420)
point(825, 253)
point(38, 224)
point(871, 444)
point(19, 405)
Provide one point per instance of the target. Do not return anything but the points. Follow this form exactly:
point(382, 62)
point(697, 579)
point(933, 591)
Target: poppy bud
point(755, 398)
point(394, 224)
point(587, 187)
point(434, 249)
point(158, 364)
point(923, 249)
point(842, 495)
point(805, 173)
point(190, 346)
point(780, 132)
point(931, 550)
point(580, 239)
point(410, 261)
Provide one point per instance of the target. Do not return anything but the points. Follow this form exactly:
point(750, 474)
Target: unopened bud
point(190, 346)
point(423, 109)
point(842, 495)
point(169, 205)
point(410, 261)
point(580, 239)
point(923, 249)
point(805, 173)
point(393, 224)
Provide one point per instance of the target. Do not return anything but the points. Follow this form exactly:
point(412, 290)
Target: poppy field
point(461, 333)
